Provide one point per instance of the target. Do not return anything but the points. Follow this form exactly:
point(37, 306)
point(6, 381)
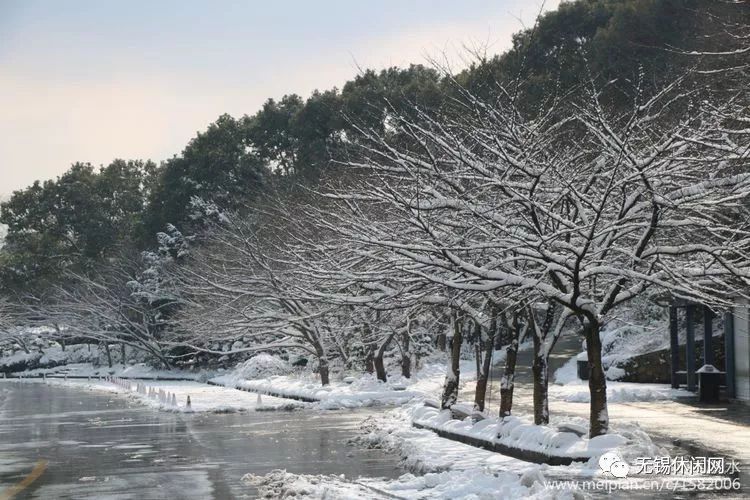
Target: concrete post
point(690, 347)
point(708, 346)
point(729, 353)
point(674, 346)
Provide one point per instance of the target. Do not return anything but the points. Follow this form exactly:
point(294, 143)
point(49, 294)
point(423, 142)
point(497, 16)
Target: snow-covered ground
point(349, 392)
point(441, 469)
point(445, 469)
point(515, 433)
point(203, 397)
point(568, 387)
point(657, 409)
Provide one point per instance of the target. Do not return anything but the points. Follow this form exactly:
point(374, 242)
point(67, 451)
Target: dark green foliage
point(217, 164)
point(72, 221)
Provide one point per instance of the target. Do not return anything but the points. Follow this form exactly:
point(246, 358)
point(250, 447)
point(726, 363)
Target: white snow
point(349, 392)
point(514, 432)
point(204, 397)
point(568, 387)
point(262, 365)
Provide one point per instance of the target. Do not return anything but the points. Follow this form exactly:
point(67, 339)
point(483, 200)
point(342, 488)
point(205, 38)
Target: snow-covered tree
point(571, 204)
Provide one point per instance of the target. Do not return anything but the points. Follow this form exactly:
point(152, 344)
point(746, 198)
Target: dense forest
point(415, 209)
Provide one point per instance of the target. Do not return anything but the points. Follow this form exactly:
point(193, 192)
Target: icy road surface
point(85, 444)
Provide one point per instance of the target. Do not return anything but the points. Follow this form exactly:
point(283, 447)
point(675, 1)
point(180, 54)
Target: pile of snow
point(515, 433)
point(261, 366)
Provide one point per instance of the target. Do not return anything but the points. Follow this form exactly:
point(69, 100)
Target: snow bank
point(85, 370)
point(652, 392)
point(567, 373)
point(350, 392)
point(515, 433)
point(442, 468)
point(203, 397)
point(568, 387)
point(365, 391)
point(439, 485)
point(50, 357)
point(283, 484)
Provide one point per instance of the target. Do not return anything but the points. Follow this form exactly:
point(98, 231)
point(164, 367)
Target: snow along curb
point(337, 396)
point(512, 437)
point(265, 391)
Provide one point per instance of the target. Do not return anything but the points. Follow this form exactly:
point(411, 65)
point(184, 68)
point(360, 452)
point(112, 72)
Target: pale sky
point(98, 80)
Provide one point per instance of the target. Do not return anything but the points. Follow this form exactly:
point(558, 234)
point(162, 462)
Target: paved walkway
point(697, 428)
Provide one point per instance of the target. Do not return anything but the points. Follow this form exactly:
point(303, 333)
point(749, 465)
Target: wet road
point(100, 446)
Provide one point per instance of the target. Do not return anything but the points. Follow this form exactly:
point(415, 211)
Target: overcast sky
point(97, 80)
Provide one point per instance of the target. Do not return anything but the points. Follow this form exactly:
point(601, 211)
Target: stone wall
point(654, 367)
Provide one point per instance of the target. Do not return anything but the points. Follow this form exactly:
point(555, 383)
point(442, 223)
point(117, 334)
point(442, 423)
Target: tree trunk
point(380, 368)
point(405, 355)
point(24, 346)
point(540, 364)
point(598, 416)
point(109, 354)
point(370, 361)
point(122, 354)
point(60, 337)
point(507, 383)
point(369, 353)
point(441, 342)
point(166, 364)
point(483, 374)
point(540, 370)
point(379, 364)
point(322, 363)
point(323, 367)
point(450, 388)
